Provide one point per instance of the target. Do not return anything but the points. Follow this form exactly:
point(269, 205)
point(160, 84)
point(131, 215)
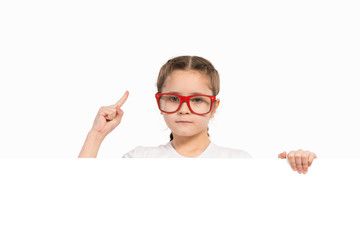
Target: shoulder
point(226, 152)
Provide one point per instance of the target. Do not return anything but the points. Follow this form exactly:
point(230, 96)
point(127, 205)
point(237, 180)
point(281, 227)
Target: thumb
point(119, 114)
point(282, 155)
point(111, 125)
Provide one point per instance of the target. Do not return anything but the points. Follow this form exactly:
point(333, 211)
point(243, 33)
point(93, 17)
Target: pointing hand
point(109, 117)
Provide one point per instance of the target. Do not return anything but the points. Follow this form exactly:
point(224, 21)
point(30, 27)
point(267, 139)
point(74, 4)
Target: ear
point(216, 105)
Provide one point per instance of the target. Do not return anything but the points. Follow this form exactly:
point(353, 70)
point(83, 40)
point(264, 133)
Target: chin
point(185, 132)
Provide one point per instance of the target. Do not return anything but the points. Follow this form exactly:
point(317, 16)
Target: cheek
point(205, 121)
point(201, 122)
point(169, 119)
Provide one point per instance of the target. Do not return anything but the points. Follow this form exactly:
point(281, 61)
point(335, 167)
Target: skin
point(190, 138)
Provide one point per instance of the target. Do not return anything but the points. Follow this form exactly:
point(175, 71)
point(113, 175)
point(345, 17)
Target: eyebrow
point(193, 93)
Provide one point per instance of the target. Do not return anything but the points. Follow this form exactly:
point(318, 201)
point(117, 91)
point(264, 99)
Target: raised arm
point(106, 120)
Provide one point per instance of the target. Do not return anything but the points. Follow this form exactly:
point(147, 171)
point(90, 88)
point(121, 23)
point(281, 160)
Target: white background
point(289, 73)
point(260, 198)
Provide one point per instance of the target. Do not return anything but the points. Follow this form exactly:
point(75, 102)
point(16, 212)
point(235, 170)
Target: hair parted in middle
point(189, 63)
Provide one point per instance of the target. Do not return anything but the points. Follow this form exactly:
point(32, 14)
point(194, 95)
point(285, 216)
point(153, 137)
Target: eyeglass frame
point(185, 99)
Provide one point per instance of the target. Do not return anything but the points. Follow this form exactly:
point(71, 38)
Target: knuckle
point(304, 157)
point(292, 153)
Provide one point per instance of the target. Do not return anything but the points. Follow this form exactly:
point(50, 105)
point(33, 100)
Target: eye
point(173, 99)
point(197, 99)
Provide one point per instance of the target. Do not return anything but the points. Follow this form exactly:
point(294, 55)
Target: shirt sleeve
point(130, 154)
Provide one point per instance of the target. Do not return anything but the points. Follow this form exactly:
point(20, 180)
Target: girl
point(187, 89)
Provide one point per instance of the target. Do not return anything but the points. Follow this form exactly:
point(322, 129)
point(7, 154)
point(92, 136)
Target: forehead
point(187, 82)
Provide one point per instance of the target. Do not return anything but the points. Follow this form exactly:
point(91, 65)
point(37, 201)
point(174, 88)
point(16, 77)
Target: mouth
point(183, 122)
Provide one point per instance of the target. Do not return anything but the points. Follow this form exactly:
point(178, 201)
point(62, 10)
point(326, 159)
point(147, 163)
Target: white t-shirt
point(168, 151)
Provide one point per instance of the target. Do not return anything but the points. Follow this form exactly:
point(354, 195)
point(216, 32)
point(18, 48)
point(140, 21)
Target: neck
point(191, 146)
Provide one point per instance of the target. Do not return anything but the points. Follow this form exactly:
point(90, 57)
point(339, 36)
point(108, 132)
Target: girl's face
point(185, 83)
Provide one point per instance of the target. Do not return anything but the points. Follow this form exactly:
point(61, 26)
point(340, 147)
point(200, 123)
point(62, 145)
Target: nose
point(184, 110)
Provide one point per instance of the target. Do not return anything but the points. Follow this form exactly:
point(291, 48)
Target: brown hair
point(189, 63)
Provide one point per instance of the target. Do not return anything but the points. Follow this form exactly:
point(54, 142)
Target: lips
point(183, 122)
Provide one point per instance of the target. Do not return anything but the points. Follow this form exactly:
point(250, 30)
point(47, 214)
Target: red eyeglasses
point(198, 104)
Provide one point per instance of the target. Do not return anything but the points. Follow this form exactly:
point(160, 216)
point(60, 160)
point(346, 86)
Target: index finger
point(122, 99)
